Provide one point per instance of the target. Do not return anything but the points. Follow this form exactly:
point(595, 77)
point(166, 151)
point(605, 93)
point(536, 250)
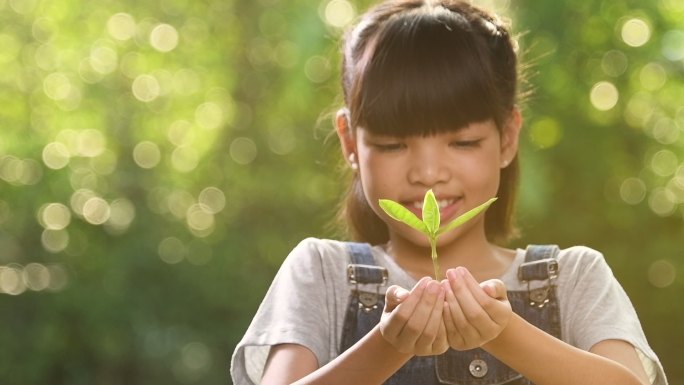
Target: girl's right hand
point(412, 321)
point(474, 313)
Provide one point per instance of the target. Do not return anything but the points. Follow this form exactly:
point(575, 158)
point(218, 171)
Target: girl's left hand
point(474, 314)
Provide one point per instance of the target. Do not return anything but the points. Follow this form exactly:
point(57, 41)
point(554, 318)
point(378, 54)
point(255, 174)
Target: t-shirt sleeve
point(597, 308)
point(293, 311)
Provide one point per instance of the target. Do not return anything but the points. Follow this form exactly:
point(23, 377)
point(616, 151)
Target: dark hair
point(419, 67)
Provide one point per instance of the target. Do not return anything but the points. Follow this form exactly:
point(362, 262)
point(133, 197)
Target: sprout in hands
point(429, 225)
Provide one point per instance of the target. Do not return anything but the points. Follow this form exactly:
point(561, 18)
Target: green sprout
point(429, 225)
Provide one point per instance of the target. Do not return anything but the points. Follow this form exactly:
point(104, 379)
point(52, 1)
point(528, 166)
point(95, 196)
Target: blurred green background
point(159, 159)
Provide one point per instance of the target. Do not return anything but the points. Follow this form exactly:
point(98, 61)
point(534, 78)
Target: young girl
point(430, 89)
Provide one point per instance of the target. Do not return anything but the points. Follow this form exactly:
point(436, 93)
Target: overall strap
point(540, 265)
point(363, 269)
point(364, 311)
point(365, 305)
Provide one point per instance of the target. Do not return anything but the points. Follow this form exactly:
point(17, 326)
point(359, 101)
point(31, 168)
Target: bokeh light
point(209, 115)
point(54, 241)
point(57, 86)
point(91, 143)
point(121, 26)
point(200, 221)
point(661, 202)
point(243, 150)
point(36, 276)
point(171, 250)
point(633, 191)
point(604, 96)
point(54, 216)
point(635, 32)
point(339, 13)
point(664, 163)
point(11, 281)
point(180, 133)
point(212, 200)
point(164, 38)
point(665, 131)
point(184, 159)
point(96, 211)
point(281, 140)
point(614, 63)
point(20, 172)
point(146, 88)
point(56, 155)
point(178, 202)
point(317, 69)
point(653, 76)
point(78, 200)
point(662, 273)
point(146, 154)
point(546, 132)
point(122, 214)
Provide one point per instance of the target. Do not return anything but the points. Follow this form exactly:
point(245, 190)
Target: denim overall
point(538, 305)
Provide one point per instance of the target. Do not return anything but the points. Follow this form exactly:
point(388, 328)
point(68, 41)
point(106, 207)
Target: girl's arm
point(480, 315)
point(411, 324)
point(545, 359)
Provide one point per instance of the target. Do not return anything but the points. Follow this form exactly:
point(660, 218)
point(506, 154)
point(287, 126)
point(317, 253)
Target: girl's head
point(422, 67)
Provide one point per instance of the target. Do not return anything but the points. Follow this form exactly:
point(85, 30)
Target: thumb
point(495, 288)
point(394, 296)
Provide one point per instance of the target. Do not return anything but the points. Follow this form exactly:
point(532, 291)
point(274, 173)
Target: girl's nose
point(428, 169)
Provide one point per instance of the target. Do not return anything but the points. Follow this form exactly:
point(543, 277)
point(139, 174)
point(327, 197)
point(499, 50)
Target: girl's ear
point(346, 135)
point(510, 137)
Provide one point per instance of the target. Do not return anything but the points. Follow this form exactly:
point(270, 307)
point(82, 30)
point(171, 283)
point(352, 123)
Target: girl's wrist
point(385, 349)
point(504, 336)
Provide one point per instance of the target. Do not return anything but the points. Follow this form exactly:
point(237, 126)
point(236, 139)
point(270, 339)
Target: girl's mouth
point(447, 208)
point(442, 203)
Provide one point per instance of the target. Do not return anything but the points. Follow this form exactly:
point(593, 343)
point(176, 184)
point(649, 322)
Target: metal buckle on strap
point(546, 270)
point(368, 301)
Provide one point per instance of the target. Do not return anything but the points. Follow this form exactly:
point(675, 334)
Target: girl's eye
point(389, 147)
point(466, 143)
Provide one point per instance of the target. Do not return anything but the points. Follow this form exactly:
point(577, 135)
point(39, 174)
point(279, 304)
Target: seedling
point(429, 225)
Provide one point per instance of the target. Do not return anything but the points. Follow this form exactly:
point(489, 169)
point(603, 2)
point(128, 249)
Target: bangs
point(426, 76)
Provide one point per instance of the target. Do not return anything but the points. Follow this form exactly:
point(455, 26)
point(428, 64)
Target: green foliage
point(158, 160)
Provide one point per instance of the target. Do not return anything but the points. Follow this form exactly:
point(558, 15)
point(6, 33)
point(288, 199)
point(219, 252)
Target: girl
point(430, 92)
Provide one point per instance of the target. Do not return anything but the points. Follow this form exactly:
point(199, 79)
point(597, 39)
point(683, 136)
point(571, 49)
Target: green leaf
point(431, 212)
point(402, 214)
point(466, 217)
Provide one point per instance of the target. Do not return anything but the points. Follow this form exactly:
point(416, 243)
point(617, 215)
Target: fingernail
point(433, 288)
point(461, 271)
point(451, 273)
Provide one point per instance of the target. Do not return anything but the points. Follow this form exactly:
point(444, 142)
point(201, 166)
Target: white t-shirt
point(307, 300)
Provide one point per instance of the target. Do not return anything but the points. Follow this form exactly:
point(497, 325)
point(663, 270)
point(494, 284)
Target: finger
point(441, 343)
point(475, 316)
point(495, 288)
point(458, 327)
point(401, 313)
point(394, 296)
point(453, 335)
point(431, 330)
point(422, 312)
point(476, 291)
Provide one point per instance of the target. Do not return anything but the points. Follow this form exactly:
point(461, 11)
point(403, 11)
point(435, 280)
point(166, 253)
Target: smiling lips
point(441, 203)
point(447, 208)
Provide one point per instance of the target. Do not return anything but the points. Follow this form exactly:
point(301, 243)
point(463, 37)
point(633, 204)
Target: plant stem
point(435, 263)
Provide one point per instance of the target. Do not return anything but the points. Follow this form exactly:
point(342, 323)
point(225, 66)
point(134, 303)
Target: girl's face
point(462, 167)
